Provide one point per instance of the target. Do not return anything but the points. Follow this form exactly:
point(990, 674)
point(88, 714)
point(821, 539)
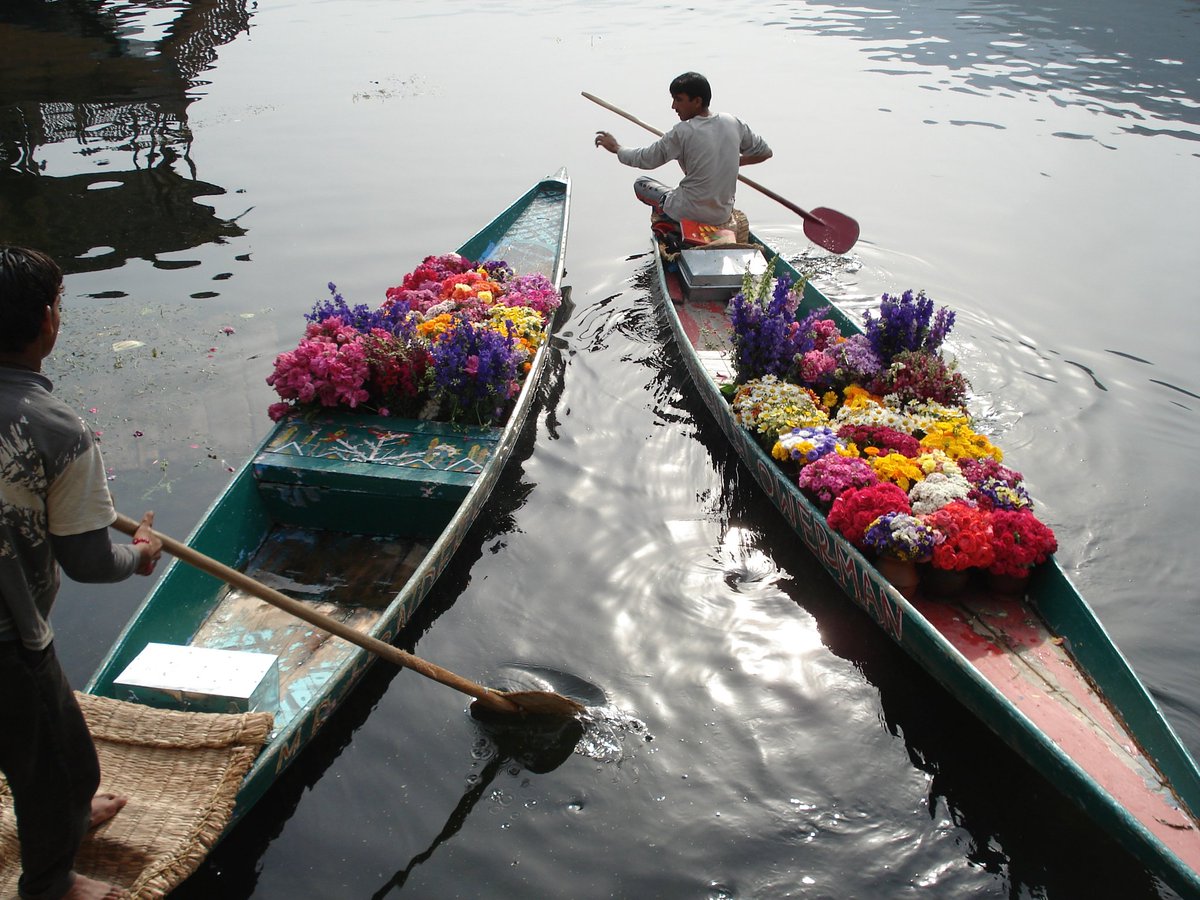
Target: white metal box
point(717, 274)
point(201, 679)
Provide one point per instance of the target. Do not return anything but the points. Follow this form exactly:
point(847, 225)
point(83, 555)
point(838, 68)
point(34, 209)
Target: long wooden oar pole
point(521, 702)
point(833, 230)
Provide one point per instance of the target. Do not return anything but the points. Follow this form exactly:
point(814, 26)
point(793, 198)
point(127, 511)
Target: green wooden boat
point(1038, 669)
point(389, 499)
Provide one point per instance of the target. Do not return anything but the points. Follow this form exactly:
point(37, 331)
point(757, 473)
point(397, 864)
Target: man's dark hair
point(694, 85)
point(29, 282)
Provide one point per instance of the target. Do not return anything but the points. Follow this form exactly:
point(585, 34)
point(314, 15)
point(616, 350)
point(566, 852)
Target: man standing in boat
point(55, 510)
point(710, 148)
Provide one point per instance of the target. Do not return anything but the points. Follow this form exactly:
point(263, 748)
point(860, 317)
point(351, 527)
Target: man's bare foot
point(89, 889)
point(105, 806)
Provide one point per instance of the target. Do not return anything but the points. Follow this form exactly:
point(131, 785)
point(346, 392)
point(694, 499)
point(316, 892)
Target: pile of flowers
point(878, 428)
point(452, 341)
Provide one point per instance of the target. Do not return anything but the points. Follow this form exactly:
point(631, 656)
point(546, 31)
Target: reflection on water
point(102, 135)
point(1100, 57)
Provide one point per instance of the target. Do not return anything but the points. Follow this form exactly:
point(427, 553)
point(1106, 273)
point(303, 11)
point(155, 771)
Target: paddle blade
point(834, 231)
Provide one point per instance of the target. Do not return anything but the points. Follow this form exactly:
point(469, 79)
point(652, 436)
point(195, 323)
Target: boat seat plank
point(371, 474)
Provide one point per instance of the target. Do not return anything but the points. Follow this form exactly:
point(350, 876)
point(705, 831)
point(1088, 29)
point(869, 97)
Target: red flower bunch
point(965, 537)
point(854, 510)
point(879, 440)
point(397, 370)
point(1020, 541)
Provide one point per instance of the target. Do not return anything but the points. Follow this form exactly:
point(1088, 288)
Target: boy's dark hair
point(29, 282)
point(694, 85)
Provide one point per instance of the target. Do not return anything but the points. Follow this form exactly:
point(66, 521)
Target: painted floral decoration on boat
point(878, 425)
point(452, 342)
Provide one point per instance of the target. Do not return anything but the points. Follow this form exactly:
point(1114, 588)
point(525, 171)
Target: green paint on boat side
point(1052, 595)
point(343, 473)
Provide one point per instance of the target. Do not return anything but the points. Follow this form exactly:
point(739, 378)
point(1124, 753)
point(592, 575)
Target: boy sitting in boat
point(55, 510)
point(710, 147)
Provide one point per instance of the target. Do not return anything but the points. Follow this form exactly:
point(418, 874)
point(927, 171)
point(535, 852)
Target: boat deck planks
point(300, 562)
point(1022, 659)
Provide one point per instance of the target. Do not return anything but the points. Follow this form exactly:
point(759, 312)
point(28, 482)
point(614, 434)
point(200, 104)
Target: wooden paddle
point(827, 228)
point(537, 703)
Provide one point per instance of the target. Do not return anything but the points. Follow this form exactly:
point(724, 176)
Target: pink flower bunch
point(829, 476)
point(534, 291)
point(1020, 541)
point(329, 367)
point(817, 368)
point(854, 510)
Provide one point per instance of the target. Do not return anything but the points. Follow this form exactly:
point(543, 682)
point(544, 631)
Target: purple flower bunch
point(902, 536)
point(825, 479)
point(392, 318)
point(476, 370)
point(907, 322)
point(995, 493)
point(765, 335)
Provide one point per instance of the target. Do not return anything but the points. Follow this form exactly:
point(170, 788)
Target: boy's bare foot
point(89, 889)
point(105, 806)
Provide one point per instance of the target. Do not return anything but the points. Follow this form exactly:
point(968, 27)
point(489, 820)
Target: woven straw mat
point(181, 772)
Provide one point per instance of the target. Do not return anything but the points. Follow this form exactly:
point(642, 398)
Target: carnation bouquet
point(452, 341)
point(1020, 542)
point(855, 509)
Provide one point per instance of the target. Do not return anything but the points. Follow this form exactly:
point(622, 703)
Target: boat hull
point(1041, 672)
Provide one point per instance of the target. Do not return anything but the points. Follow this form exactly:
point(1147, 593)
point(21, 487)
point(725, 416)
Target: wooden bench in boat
point(371, 474)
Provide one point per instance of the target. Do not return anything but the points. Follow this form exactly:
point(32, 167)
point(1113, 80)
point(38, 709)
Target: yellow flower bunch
point(897, 468)
point(432, 329)
point(937, 461)
point(960, 441)
point(527, 325)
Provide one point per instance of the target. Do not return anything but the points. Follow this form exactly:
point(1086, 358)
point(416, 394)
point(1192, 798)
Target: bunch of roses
point(828, 477)
point(805, 445)
point(770, 407)
point(328, 367)
point(1020, 541)
point(937, 489)
point(878, 440)
point(855, 509)
point(900, 536)
point(965, 537)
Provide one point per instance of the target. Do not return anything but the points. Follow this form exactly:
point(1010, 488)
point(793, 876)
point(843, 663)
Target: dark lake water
point(203, 169)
